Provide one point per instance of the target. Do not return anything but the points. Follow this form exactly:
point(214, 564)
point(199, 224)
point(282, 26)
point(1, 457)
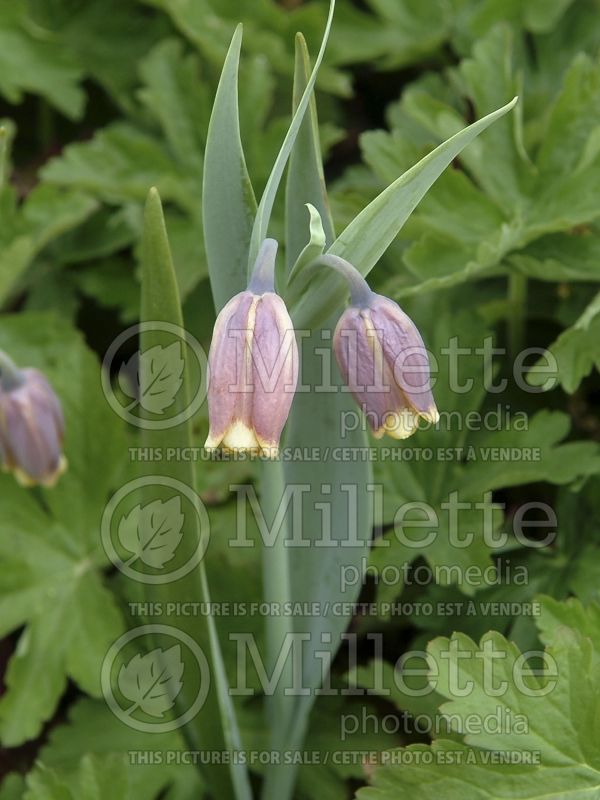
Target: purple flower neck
point(263, 274)
point(11, 377)
point(361, 295)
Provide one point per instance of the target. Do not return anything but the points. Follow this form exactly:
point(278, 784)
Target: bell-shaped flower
point(383, 360)
point(31, 426)
point(253, 366)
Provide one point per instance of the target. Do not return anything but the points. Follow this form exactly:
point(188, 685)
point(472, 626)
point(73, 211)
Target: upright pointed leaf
point(263, 215)
point(228, 204)
point(305, 181)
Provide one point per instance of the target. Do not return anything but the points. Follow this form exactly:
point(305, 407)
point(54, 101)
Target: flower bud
point(31, 426)
point(384, 362)
point(253, 366)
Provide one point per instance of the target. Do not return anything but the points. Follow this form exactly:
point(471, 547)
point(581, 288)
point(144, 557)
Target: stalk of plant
point(236, 228)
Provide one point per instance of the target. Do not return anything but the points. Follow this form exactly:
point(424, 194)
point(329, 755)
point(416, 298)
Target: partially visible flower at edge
point(31, 426)
point(383, 360)
point(253, 366)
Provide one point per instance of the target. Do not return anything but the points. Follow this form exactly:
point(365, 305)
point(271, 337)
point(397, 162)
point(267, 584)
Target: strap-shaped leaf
point(263, 215)
point(228, 204)
point(368, 236)
point(215, 727)
point(305, 181)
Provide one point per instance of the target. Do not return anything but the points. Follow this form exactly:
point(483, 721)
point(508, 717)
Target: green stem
point(240, 779)
point(276, 588)
point(517, 312)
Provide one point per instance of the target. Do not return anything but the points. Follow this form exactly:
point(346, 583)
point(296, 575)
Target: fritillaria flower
point(253, 366)
point(31, 426)
point(383, 360)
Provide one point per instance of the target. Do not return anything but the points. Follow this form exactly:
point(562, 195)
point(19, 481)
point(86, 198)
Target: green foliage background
point(102, 99)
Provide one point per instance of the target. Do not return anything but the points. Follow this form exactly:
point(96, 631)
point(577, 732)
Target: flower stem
point(278, 785)
point(263, 274)
point(360, 291)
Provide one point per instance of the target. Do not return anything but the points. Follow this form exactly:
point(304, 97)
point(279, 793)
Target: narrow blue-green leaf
point(305, 178)
point(263, 215)
point(368, 236)
point(215, 728)
point(228, 203)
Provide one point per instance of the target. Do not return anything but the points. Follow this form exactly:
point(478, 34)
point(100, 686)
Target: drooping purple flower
point(385, 364)
point(31, 426)
point(253, 366)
